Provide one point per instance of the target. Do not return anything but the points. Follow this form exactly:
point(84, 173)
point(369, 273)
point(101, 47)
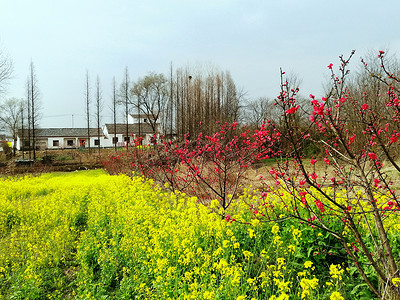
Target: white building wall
point(51, 141)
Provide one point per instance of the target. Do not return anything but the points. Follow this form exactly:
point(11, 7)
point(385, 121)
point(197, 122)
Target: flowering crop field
point(89, 235)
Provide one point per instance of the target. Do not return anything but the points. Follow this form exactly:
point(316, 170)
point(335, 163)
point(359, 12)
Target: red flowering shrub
point(352, 193)
point(209, 167)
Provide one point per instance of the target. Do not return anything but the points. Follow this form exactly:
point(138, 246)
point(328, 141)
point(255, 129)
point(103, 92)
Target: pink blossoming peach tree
point(350, 192)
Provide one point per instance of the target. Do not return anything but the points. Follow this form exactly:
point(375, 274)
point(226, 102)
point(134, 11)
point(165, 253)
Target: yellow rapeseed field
point(89, 235)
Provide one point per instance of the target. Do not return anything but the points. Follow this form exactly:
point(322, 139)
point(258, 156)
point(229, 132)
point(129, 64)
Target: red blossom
point(351, 139)
point(365, 106)
point(330, 66)
point(313, 161)
point(372, 155)
point(292, 110)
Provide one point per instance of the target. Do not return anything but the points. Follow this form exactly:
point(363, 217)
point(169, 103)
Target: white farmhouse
point(70, 138)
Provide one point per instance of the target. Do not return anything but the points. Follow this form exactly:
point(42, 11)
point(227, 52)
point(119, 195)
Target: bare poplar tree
point(29, 116)
point(87, 108)
point(125, 99)
point(114, 111)
point(99, 108)
point(21, 147)
point(203, 98)
point(35, 105)
point(170, 115)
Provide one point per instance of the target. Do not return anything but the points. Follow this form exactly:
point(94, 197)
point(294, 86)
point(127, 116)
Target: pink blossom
point(387, 127)
point(351, 139)
point(313, 161)
point(292, 110)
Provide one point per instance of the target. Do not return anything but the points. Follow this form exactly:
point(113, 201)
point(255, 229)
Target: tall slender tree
point(29, 117)
point(99, 108)
point(35, 105)
point(87, 108)
point(114, 111)
point(125, 95)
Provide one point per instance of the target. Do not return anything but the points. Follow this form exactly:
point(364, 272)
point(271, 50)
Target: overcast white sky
point(252, 39)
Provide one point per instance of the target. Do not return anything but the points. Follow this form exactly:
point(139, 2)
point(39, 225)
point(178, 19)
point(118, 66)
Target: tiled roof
point(145, 128)
point(63, 132)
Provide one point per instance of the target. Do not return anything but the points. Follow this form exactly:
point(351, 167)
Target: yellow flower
point(280, 260)
point(241, 298)
point(336, 271)
point(275, 229)
point(307, 285)
point(308, 264)
point(277, 240)
point(291, 249)
point(282, 296)
point(255, 222)
point(251, 232)
point(208, 295)
point(296, 233)
point(250, 281)
point(336, 296)
point(396, 281)
point(247, 254)
point(225, 243)
point(214, 203)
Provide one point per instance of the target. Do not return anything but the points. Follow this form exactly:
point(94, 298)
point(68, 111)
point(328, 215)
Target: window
point(97, 142)
point(145, 120)
point(56, 143)
point(70, 143)
point(126, 139)
point(115, 140)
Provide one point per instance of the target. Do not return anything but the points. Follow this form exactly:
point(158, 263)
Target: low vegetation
point(89, 235)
